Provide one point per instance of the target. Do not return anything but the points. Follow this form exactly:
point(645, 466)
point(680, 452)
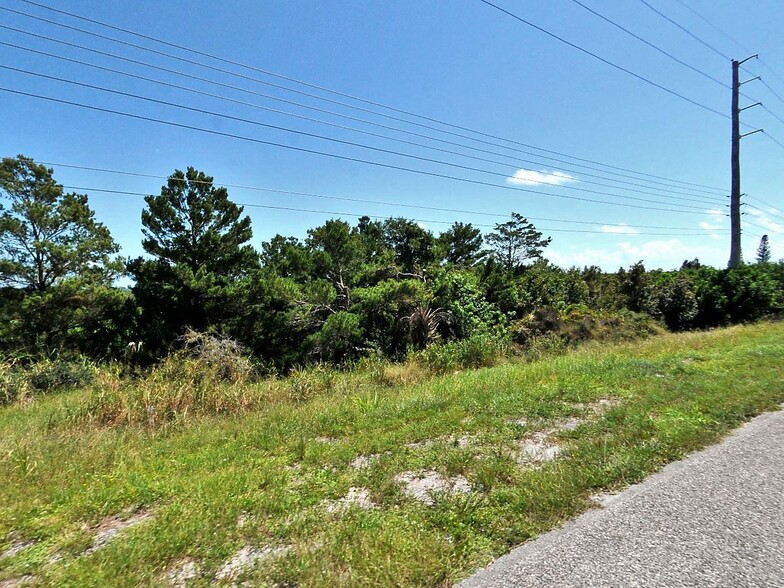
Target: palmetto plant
point(423, 325)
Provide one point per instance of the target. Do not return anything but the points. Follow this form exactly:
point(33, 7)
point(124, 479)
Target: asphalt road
point(713, 519)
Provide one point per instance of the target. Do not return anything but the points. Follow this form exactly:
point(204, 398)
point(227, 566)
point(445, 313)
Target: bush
point(216, 356)
point(677, 303)
point(177, 387)
point(13, 383)
point(577, 324)
point(745, 294)
point(339, 339)
point(480, 350)
point(60, 375)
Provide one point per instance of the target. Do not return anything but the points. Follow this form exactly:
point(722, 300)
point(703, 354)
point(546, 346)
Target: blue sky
point(461, 62)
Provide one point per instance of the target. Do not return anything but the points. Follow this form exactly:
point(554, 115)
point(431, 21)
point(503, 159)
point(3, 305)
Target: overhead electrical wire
point(606, 61)
point(331, 155)
point(652, 45)
point(354, 214)
point(768, 204)
point(516, 160)
point(768, 229)
point(687, 31)
point(307, 84)
point(728, 36)
point(396, 129)
point(505, 176)
point(351, 199)
point(772, 91)
point(713, 26)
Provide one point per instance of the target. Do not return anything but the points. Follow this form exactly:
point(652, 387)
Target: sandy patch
point(111, 526)
point(246, 559)
point(538, 448)
point(422, 486)
point(14, 582)
point(182, 572)
point(16, 547)
point(359, 497)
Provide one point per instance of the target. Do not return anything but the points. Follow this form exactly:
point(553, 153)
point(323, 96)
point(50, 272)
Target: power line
point(396, 129)
point(772, 91)
point(345, 142)
point(768, 204)
point(773, 114)
point(606, 61)
point(713, 26)
point(776, 141)
point(331, 155)
point(687, 31)
point(279, 76)
point(517, 160)
point(651, 45)
point(353, 214)
point(767, 229)
point(350, 199)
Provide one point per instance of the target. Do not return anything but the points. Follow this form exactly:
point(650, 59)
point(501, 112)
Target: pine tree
point(517, 241)
point(45, 234)
point(763, 251)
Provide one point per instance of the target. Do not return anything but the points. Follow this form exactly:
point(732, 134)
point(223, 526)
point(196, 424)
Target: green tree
point(338, 257)
point(201, 262)
point(517, 241)
point(414, 246)
point(763, 251)
point(193, 223)
point(461, 245)
point(47, 235)
point(288, 258)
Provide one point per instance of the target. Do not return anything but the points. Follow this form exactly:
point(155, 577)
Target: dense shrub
point(676, 302)
point(339, 339)
point(479, 350)
point(383, 310)
point(458, 293)
point(579, 324)
point(739, 295)
point(57, 375)
point(14, 385)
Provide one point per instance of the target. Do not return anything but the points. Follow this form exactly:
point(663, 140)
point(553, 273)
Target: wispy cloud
point(621, 229)
point(761, 218)
point(715, 212)
point(529, 177)
point(709, 227)
point(663, 253)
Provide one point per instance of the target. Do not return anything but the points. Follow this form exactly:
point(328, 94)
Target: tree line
point(346, 290)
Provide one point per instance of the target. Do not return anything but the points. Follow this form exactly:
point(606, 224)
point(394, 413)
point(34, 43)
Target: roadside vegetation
point(386, 475)
point(372, 405)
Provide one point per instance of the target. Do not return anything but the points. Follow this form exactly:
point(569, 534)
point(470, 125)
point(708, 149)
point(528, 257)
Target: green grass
point(278, 459)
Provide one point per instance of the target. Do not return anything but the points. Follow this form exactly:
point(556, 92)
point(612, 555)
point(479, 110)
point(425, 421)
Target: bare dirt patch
point(17, 545)
point(359, 497)
point(16, 582)
point(182, 572)
point(423, 486)
point(111, 526)
point(538, 448)
point(362, 462)
point(245, 560)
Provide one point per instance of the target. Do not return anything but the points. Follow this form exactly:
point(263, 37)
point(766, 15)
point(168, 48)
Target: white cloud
point(715, 212)
point(660, 253)
point(529, 177)
point(621, 229)
point(762, 219)
point(709, 227)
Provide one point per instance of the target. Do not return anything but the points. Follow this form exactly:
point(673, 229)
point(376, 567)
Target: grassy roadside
point(283, 485)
